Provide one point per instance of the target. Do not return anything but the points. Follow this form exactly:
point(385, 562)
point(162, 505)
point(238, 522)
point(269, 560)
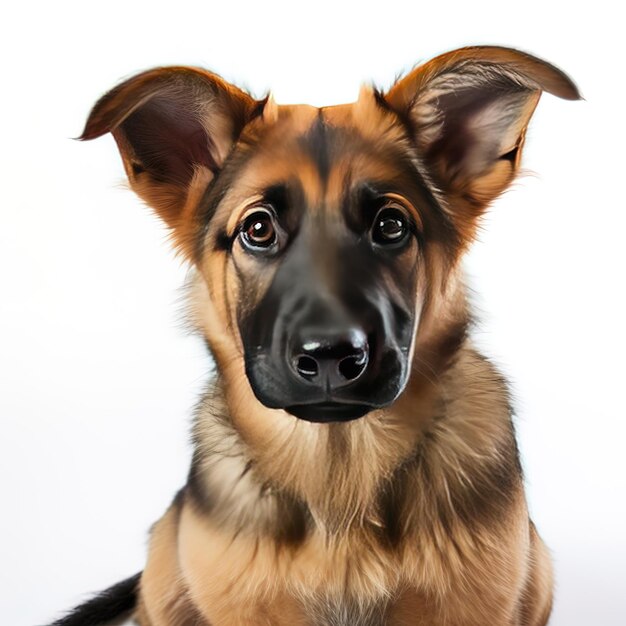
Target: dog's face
point(325, 237)
point(320, 236)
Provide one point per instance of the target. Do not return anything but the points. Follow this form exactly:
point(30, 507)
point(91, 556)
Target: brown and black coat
point(415, 512)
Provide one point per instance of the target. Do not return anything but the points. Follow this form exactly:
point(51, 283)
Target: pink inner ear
point(167, 140)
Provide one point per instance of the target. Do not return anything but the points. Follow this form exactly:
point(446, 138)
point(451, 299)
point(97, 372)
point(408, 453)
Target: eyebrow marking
point(276, 195)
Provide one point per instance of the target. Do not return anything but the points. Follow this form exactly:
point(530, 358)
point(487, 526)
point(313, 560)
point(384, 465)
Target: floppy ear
point(469, 110)
point(173, 125)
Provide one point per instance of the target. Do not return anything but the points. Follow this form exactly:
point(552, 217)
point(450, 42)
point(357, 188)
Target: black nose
point(329, 358)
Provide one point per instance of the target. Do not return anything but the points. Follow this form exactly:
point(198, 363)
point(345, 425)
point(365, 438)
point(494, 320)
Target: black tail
point(111, 606)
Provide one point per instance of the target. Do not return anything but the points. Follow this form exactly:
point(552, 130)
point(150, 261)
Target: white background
point(97, 376)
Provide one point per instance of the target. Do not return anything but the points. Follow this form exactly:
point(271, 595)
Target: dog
point(355, 461)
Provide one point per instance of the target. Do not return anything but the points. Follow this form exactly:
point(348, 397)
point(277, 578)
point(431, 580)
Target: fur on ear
point(174, 127)
point(468, 111)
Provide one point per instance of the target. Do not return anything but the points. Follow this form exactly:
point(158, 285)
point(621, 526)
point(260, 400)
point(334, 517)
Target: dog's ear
point(468, 111)
point(171, 125)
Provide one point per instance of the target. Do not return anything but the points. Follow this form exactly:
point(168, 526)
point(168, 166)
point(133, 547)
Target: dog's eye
point(258, 230)
point(390, 227)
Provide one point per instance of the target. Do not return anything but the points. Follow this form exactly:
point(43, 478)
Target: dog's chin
point(328, 412)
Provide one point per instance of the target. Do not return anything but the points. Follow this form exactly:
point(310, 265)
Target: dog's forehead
point(323, 149)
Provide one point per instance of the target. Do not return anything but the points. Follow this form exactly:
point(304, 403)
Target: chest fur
point(324, 582)
point(325, 611)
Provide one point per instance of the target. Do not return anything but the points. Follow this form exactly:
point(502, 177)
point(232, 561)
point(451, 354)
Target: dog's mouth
point(324, 412)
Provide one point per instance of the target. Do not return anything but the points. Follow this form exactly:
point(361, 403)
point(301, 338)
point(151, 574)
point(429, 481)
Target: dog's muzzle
point(323, 365)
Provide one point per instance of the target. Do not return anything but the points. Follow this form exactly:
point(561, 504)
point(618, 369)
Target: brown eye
point(258, 230)
point(390, 227)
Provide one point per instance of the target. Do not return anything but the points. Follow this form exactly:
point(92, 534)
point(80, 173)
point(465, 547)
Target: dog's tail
point(109, 607)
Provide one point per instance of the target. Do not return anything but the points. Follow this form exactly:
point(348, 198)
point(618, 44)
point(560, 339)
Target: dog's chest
point(324, 611)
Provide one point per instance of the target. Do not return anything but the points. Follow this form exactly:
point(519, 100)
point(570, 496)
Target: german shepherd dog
point(355, 460)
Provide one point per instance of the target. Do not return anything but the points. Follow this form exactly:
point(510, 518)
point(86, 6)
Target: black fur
point(318, 142)
point(110, 606)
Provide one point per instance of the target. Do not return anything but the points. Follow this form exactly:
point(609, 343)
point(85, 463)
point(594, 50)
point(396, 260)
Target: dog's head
point(327, 238)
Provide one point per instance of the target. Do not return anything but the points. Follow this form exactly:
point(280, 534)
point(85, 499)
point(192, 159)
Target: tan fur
point(480, 574)
point(415, 513)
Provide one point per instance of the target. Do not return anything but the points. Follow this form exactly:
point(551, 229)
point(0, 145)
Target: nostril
point(306, 366)
point(351, 367)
